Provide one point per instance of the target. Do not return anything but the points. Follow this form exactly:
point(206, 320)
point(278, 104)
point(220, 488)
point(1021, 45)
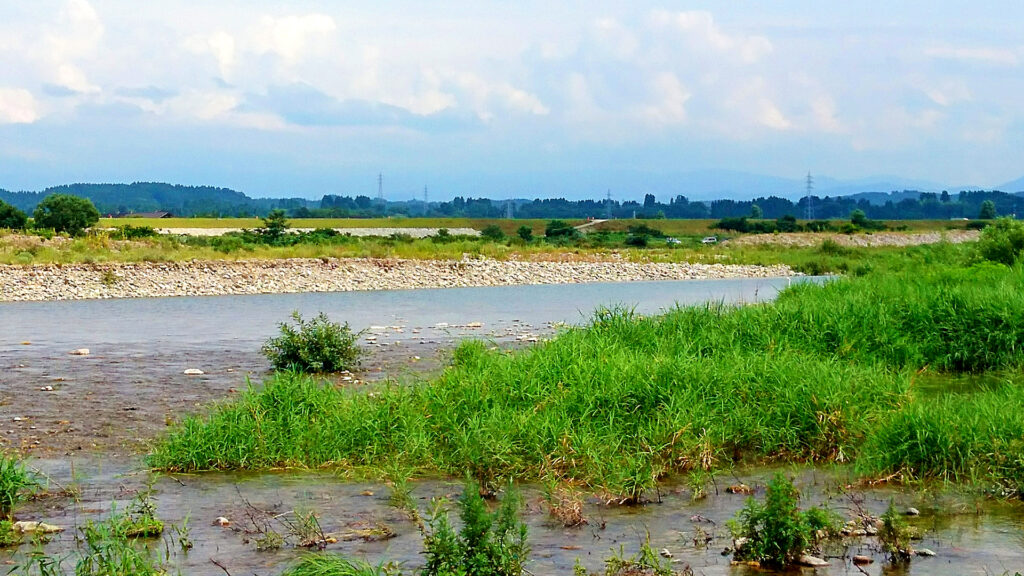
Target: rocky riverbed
point(859, 240)
point(210, 278)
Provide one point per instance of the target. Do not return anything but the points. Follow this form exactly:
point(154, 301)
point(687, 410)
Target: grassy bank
point(824, 374)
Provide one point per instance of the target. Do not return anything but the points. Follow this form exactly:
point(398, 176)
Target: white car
point(709, 240)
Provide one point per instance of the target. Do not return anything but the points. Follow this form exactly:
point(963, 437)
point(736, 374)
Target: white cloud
point(220, 45)
point(291, 37)
point(670, 97)
point(994, 56)
point(17, 106)
point(701, 28)
point(76, 38)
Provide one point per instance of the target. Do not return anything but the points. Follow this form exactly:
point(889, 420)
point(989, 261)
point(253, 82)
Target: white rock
point(665, 553)
point(80, 352)
point(193, 372)
point(913, 511)
point(37, 527)
point(925, 552)
point(222, 522)
point(811, 561)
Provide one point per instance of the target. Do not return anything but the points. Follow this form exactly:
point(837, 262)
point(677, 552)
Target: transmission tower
point(508, 209)
point(608, 205)
point(426, 201)
point(380, 187)
point(810, 202)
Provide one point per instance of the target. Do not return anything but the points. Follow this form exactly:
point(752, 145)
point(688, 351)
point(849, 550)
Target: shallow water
point(968, 539)
point(215, 321)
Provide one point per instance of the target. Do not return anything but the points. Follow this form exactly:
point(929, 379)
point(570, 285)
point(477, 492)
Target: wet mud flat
point(119, 397)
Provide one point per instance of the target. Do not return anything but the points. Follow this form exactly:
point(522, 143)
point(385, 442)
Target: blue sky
point(506, 98)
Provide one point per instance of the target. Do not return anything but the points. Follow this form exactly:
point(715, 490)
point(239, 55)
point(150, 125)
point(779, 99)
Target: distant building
point(157, 214)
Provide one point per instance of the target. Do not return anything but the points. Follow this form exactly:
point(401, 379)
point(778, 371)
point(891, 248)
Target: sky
point(501, 99)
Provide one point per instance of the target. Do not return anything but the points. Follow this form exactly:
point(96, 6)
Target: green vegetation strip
point(823, 374)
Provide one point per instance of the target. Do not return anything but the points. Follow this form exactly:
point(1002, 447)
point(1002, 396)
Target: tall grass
point(823, 374)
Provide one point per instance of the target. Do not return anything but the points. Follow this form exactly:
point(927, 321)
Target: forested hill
point(151, 196)
point(210, 201)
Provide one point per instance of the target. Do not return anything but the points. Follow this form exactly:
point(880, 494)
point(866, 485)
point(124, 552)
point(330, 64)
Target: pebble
point(913, 512)
point(80, 352)
point(665, 553)
point(925, 552)
point(222, 522)
point(863, 560)
point(193, 372)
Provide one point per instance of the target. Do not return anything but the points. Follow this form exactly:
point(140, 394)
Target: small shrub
point(130, 232)
point(894, 535)
point(14, 481)
point(777, 532)
point(525, 233)
point(1002, 241)
point(636, 240)
point(8, 537)
point(489, 544)
point(318, 346)
point(493, 233)
point(559, 229)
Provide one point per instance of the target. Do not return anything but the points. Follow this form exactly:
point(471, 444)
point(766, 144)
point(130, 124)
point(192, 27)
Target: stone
point(924, 552)
point(475, 325)
point(222, 522)
point(193, 372)
point(739, 489)
point(811, 561)
point(665, 553)
point(861, 560)
point(35, 527)
point(913, 511)
point(79, 352)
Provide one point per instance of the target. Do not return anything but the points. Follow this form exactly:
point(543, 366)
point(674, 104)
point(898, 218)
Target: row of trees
point(57, 212)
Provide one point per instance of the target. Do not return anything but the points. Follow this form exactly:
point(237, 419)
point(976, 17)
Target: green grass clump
point(318, 346)
point(335, 565)
point(823, 374)
point(777, 532)
point(14, 481)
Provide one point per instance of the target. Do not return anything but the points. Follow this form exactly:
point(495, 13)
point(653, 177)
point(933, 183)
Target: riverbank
point(217, 278)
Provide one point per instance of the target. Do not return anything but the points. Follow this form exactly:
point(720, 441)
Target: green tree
point(988, 210)
point(65, 213)
point(859, 218)
point(560, 229)
point(274, 226)
point(525, 232)
point(11, 218)
point(755, 212)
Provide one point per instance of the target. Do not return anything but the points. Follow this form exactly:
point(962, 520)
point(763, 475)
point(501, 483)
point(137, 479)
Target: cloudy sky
point(501, 98)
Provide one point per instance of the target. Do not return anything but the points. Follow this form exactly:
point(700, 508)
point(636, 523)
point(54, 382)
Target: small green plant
point(335, 565)
point(646, 562)
point(777, 532)
point(489, 544)
point(14, 481)
point(318, 346)
point(525, 233)
point(493, 233)
point(1003, 241)
point(8, 537)
point(894, 535)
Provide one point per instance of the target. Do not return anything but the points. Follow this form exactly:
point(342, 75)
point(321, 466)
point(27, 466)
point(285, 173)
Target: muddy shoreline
point(218, 278)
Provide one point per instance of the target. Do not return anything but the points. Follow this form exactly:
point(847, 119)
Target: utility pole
point(809, 208)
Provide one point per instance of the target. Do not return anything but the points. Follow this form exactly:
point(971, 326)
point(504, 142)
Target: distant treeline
point(208, 201)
